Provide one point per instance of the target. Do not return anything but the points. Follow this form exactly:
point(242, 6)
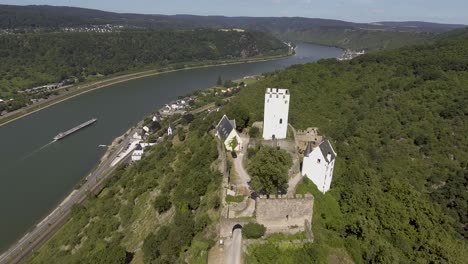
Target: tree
point(162, 203)
point(229, 83)
point(233, 143)
point(269, 169)
point(241, 114)
point(253, 230)
point(151, 244)
point(254, 132)
point(181, 134)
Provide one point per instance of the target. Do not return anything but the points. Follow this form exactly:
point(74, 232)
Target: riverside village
point(276, 210)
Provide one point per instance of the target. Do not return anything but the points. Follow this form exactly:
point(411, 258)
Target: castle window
point(281, 120)
point(286, 101)
point(318, 160)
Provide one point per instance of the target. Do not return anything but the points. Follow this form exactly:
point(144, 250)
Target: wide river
point(34, 180)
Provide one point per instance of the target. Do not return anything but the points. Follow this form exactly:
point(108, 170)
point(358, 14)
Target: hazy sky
point(445, 11)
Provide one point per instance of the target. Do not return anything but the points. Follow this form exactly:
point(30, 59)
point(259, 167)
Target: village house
point(226, 131)
point(318, 164)
point(152, 127)
point(140, 150)
point(276, 111)
point(157, 117)
point(138, 135)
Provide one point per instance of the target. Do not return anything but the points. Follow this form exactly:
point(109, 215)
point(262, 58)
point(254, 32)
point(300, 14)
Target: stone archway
point(236, 226)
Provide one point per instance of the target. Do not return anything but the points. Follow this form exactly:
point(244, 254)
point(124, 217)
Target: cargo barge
point(73, 130)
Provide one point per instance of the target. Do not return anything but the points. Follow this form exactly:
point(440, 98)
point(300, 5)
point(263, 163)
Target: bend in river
point(35, 179)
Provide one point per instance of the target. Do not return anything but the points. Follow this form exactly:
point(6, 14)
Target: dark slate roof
point(326, 148)
point(308, 149)
point(154, 126)
point(224, 127)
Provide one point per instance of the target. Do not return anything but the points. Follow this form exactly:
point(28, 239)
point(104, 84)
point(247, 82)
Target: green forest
point(357, 39)
point(34, 59)
point(399, 122)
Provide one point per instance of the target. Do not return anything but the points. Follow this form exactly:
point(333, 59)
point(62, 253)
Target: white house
point(152, 127)
point(157, 117)
point(137, 136)
point(318, 165)
point(226, 131)
point(139, 150)
point(137, 153)
point(275, 116)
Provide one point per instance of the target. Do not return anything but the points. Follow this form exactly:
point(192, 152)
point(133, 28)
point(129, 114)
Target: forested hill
point(43, 16)
point(399, 122)
point(40, 58)
point(370, 36)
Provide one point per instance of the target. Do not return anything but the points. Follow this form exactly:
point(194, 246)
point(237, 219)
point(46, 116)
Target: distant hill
point(370, 36)
point(420, 26)
point(30, 60)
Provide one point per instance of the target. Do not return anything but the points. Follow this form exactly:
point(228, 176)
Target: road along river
point(34, 179)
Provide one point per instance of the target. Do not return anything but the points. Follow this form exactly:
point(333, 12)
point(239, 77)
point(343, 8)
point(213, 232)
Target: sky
point(443, 11)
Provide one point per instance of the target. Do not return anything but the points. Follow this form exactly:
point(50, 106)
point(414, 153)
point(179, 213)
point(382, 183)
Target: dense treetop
point(399, 121)
point(40, 58)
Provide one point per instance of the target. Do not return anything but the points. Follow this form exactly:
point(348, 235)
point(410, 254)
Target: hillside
point(163, 209)
point(398, 121)
point(370, 36)
point(35, 59)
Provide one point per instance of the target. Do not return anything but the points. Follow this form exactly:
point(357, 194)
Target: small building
point(275, 116)
point(157, 117)
point(152, 127)
point(137, 152)
point(170, 130)
point(226, 131)
point(318, 164)
point(138, 135)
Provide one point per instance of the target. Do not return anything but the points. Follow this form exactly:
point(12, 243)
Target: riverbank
point(73, 91)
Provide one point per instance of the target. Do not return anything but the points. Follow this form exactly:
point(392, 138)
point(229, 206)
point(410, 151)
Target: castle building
point(275, 116)
point(318, 165)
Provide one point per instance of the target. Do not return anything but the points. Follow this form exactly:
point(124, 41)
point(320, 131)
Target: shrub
point(254, 132)
point(253, 230)
point(162, 203)
point(234, 199)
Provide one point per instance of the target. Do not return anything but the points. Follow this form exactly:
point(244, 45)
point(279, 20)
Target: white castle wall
point(275, 120)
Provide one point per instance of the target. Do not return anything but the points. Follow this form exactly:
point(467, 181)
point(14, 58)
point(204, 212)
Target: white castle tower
point(275, 116)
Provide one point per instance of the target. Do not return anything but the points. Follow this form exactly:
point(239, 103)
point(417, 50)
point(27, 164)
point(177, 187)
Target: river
point(35, 179)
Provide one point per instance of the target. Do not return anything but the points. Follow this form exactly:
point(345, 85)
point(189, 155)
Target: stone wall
point(303, 137)
point(284, 214)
